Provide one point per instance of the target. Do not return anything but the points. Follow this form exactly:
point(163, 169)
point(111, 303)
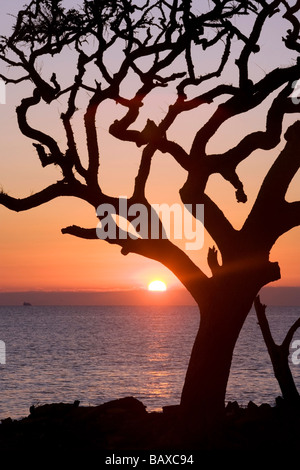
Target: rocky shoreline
point(125, 424)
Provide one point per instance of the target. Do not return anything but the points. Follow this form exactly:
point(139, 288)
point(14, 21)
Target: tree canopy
point(157, 44)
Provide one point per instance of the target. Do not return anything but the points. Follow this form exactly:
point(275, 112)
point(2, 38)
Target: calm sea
point(96, 354)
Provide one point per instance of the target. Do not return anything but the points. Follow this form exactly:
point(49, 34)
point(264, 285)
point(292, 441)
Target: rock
point(171, 410)
point(252, 406)
point(128, 404)
point(125, 424)
point(6, 421)
point(265, 407)
point(279, 402)
point(232, 408)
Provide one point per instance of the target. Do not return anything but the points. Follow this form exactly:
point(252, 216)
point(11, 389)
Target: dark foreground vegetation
point(125, 424)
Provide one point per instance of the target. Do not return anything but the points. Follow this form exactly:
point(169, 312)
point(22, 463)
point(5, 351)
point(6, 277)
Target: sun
point(157, 286)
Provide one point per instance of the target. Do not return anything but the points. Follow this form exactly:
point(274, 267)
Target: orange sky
point(36, 256)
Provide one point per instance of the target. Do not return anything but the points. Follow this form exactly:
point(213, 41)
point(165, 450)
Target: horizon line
point(270, 295)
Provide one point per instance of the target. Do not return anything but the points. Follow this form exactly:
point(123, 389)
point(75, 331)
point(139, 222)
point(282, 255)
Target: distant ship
point(26, 304)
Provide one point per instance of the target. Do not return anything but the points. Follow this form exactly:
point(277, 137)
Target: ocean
point(96, 354)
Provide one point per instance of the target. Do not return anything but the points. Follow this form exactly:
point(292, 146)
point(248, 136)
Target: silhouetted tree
point(279, 354)
point(159, 43)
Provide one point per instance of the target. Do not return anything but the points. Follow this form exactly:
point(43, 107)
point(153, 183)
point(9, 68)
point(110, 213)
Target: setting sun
point(157, 286)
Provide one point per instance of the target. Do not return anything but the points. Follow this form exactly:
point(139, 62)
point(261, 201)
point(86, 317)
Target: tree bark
point(222, 317)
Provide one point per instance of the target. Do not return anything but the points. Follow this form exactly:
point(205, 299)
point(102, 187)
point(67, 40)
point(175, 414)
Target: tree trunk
point(284, 377)
point(279, 354)
point(203, 394)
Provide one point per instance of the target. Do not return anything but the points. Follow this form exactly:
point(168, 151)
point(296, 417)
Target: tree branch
point(216, 223)
point(289, 336)
point(32, 133)
point(293, 35)
point(48, 194)
point(143, 172)
point(161, 250)
point(278, 354)
point(241, 103)
point(92, 137)
point(226, 163)
point(251, 44)
point(265, 140)
point(271, 215)
point(264, 325)
point(80, 232)
point(71, 109)
point(174, 149)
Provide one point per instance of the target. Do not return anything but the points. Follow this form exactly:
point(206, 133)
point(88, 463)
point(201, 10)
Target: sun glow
point(157, 286)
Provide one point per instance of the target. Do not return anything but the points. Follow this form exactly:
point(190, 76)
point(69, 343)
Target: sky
point(35, 256)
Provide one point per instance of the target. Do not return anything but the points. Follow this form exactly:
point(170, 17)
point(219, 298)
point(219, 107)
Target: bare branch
point(92, 136)
point(80, 232)
point(192, 80)
point(216, 223)
point(226, 163)
point(67, 116)
point(119, 128)
point(278, 354)
point(14, 80)
point(35, 134)
point(293, 35)
point(264, 324)
point(48, 194)
point(289, 336)
point(271, 215)
point(161, 250)
point(143, 173)
point(251, 44)
point(241, 103)
point(267, 139)
point(55, 156)
point(174, 149)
